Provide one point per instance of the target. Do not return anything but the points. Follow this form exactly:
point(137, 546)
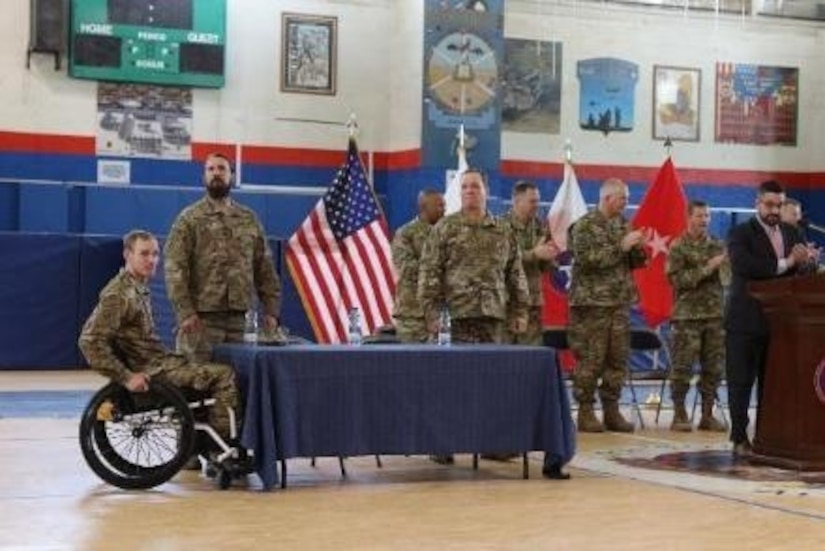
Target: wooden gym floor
point(49, 499)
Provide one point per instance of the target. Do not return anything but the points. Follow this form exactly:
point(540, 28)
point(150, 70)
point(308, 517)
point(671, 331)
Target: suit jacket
point(752, 258)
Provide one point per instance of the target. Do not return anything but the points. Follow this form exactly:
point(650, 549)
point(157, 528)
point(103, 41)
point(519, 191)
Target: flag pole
point(352, 130)
point(656, 398)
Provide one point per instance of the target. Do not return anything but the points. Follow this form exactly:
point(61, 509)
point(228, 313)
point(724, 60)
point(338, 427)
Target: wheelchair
point(139, 440)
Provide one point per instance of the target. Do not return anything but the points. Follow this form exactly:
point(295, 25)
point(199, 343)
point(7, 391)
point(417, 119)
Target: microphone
point(808, 225)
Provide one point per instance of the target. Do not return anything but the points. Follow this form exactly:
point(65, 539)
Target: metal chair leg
point(662, 392)
point(718, 404)
point(283, 473)
point(525, 466)
point(635, 398)
point(341, 466)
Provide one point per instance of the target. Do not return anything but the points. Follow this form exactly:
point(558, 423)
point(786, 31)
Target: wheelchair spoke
point(141, 440)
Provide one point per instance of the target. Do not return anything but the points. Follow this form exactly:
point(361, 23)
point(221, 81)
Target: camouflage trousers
point(411, 330)
point(214, 380)
point(599, 336)
point(692, 340)
point(477, 330)
point(534, 334)
point(218, 327)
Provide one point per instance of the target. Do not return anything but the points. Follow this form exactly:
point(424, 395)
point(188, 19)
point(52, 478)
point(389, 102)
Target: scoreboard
point(178, 42)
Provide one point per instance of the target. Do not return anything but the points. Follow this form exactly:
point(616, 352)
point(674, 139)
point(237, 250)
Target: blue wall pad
point(39, 281)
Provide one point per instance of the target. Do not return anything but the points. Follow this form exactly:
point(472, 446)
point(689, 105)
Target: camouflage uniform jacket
point(602, 271)
point(697, 292)
point(406, 255)
point(215, 257)
point(528, 236)
point(475, 268)
point(119, 338)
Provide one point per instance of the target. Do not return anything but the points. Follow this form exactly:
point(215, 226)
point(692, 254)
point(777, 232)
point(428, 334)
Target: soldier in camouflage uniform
point(407, 244)
point(537, 255)
point(217, 259)
point(605, 252)
point(696, 267)
point(120, 342)
point(471, 264)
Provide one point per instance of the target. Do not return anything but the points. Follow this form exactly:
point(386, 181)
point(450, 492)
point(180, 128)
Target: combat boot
point(613, 420)
point(680, 423)
point(708, 421)
point(587, 420)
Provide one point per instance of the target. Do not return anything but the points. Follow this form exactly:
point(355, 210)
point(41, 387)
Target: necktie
point(775, 234)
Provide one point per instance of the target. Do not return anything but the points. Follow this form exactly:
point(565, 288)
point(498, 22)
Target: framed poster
point(308, 53)
point(756, 104)
point(676, 101)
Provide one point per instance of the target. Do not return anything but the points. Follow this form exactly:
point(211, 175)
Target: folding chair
point(642, 340)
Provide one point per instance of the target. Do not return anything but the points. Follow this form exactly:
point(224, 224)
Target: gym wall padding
point(39, 283)
point(49, 284)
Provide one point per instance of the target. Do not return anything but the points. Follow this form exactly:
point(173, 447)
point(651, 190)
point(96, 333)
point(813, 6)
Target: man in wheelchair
point(119, 341)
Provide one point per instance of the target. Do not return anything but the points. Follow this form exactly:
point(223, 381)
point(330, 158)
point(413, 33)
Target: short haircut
point(474, 170)
point(771, 186)
point(793, 202)
point(136, 235)
point(611, 186)
point(427, 192)
point(522, 186)
point(696, 204)
point(219, 155)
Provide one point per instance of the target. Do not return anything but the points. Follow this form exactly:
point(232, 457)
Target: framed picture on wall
point(308, 53)
point(676, 103)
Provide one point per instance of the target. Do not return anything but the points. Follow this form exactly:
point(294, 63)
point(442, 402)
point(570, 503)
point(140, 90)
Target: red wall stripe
point(24, 142)
point(46, 143)
point(751, 178)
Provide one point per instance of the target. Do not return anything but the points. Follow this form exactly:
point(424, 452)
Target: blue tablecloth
point(315, 401)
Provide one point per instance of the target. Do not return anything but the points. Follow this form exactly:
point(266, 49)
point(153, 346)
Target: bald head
point(613, 196)
point(430, 205)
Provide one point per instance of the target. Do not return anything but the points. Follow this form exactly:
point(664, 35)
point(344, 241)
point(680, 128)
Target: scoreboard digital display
point(179, 42)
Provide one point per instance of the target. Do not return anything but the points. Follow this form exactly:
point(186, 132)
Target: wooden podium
point(790, 421)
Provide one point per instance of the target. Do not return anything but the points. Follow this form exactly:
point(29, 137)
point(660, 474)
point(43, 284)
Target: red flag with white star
point(663, 213)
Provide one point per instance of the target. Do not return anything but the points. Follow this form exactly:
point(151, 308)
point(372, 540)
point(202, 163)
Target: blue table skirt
point(315, 401)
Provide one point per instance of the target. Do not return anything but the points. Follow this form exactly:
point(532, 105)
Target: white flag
point(452, 196)
point(568, 206)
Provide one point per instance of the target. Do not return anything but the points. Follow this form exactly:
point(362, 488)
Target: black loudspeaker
point(49, 27)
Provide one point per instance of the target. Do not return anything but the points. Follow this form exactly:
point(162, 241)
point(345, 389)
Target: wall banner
point(463, 53)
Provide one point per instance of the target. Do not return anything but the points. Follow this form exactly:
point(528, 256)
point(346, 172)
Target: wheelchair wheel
point(137, 440)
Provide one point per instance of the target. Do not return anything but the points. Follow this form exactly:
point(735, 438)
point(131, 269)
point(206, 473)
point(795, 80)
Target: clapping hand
point(633, 238)
point(717, 261)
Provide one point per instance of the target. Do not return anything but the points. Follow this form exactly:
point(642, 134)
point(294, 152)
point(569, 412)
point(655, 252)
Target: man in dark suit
point(764, 247)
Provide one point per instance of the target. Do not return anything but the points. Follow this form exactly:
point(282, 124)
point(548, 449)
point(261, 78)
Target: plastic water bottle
point(444, 328)
point(250, 327)
point(355, 337)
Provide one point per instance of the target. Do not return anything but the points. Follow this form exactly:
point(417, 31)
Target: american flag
point(340, 259)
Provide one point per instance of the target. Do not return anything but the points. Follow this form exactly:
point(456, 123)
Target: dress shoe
point(442, 459)
point(554, 472)
point(742, 450)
